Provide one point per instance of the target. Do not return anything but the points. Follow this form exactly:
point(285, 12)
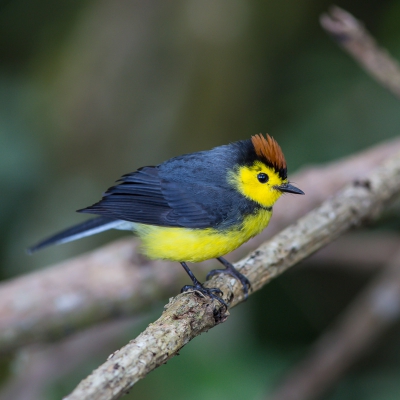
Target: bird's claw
point(236, 274)
point(206, 292)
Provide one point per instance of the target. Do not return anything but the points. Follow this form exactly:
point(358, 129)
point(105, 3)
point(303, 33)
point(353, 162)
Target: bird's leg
point(197, 286)
point(230, 269)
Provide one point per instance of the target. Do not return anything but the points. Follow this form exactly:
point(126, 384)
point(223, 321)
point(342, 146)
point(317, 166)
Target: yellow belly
point(195, 245)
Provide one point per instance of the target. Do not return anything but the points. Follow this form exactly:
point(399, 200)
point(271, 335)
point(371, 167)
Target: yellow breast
point(195, 245)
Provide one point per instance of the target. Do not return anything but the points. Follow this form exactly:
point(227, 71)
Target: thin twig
point(352, 36)
point(187, 315)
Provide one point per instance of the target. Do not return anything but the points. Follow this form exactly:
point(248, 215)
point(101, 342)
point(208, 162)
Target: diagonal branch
point(352, 36)
point(77, 293)
point(187, 315)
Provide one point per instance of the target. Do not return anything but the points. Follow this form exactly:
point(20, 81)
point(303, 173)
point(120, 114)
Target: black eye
point(262, 178)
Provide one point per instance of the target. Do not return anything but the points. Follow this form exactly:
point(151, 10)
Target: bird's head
point(260, 174)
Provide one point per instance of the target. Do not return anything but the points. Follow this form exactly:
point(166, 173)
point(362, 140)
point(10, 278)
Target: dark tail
point(84, 229)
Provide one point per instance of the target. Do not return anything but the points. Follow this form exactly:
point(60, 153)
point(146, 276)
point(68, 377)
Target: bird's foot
point(198, 288)
point(236, 274)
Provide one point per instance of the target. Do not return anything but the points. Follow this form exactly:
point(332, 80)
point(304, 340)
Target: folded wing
point(145, 197)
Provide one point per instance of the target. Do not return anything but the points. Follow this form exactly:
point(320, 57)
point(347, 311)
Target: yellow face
point(251, 182)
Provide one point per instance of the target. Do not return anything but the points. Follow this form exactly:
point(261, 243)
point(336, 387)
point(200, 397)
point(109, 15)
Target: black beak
point(287, 187)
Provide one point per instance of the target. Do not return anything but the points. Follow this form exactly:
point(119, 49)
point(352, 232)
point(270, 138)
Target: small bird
point(194, 207)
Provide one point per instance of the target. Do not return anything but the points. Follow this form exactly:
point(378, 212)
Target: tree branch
point(188, 315)
point(351, 35)
point(82, 291)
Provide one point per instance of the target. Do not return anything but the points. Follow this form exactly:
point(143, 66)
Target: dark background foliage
point(90, 90)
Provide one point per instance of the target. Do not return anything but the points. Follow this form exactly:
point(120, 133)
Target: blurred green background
point(90, 90)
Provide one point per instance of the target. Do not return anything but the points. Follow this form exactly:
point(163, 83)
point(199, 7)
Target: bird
point(194, 207)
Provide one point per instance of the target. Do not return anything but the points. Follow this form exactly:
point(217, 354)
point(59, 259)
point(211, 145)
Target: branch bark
point(187, 315)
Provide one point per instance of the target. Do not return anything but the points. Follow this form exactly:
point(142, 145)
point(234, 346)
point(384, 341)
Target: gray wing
point(145, 197)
